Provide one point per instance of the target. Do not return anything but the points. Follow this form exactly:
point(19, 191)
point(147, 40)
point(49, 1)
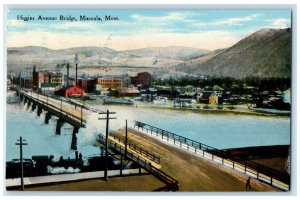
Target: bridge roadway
point(144, 162)
point(60, 105)
point(72, 113)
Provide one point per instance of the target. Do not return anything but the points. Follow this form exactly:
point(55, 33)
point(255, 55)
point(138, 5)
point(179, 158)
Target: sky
point(205, 29)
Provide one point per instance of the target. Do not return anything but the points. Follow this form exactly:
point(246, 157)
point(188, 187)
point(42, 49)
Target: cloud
point(280, 22)
point(236, 21)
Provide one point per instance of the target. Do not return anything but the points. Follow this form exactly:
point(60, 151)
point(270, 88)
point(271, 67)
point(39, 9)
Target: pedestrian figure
point(248, 183)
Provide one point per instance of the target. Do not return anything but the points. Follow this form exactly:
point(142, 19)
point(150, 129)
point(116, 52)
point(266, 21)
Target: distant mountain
point(100, 56)
point(265, 53)
point(174, 52)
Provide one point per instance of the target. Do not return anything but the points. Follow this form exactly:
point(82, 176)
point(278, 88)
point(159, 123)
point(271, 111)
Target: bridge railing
point(271, 176)
point(171, 182)
point(138, 149)
point(71, 118)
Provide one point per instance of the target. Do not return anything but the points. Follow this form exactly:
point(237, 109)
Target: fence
point(171, 182)
point(139, 150)
point(270, 176)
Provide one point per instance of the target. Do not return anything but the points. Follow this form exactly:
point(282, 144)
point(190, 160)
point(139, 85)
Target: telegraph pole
point(126, 138)
point(107, 118)
point(20, 143)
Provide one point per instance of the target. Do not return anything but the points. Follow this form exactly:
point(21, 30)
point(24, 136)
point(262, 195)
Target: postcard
point(141, 100)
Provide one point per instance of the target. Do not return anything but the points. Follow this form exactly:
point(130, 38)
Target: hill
point(265, 53)
point(91, 57)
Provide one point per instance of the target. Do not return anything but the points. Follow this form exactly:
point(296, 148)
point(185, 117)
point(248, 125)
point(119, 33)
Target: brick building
point(39, 77)
point(87, 84)
point(143, 78)
point(70, 91)
point(109, 82)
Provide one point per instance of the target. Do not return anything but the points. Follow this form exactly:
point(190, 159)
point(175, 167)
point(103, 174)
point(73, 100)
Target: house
point(203, 97)
point(216, 98)
point(149, 94)
point(188, 95)
point(70, 90)
point(143, 78)
point(128, 92)
point(168, 92)
point(48, 88)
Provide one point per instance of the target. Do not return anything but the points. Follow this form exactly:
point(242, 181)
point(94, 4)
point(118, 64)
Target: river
point(217, 130)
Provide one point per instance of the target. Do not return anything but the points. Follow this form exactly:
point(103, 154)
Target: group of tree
point(261, 84)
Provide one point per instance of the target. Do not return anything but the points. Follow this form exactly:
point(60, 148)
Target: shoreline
point(225, 110)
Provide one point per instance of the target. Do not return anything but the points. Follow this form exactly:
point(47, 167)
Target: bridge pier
point(25, 100)
point(59, 124)
point(33, 107)
point(39, 111)
point(47, 117)
point(28, 104)
point(20, 96)
point(74, 138)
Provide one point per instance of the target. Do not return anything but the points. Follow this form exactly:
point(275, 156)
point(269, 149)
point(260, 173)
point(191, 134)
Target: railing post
point(271, 180)
point(121, 166)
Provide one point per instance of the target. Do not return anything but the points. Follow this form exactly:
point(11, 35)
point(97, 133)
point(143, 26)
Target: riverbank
point(197, 108)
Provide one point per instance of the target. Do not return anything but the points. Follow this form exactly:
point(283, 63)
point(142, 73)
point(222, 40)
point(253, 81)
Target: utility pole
point(81, 118)
point(126, 138)
point(107, 118)
point(20, 143)
point(68, 66)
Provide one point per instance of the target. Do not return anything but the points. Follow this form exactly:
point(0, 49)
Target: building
point(70, 91)
point(128, 92)
point(39, 77)
point(55, 78)
point(47, 88)
point(216, 98)
point(87, 84)
point(203, 97)
point(109, 82)
point(143, 78)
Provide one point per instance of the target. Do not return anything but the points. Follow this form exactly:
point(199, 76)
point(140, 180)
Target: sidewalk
point(28, 181)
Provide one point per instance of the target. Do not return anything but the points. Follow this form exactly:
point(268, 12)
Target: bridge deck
point(60, 105)
point(192, 172)
point(158, 166)
point(145, 164)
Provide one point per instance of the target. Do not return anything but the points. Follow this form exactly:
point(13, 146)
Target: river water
point(217, 130)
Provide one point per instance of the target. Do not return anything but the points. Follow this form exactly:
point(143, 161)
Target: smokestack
point(68, 66)
point(76, 62)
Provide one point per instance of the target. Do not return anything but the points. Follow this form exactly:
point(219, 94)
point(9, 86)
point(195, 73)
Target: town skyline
point(134, 29)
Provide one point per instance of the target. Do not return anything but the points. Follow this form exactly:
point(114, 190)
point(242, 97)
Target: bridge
point(142, 158)
point(275, 178)
point(66, 112)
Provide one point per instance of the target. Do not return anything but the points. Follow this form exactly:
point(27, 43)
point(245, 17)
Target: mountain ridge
point(265, 53)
